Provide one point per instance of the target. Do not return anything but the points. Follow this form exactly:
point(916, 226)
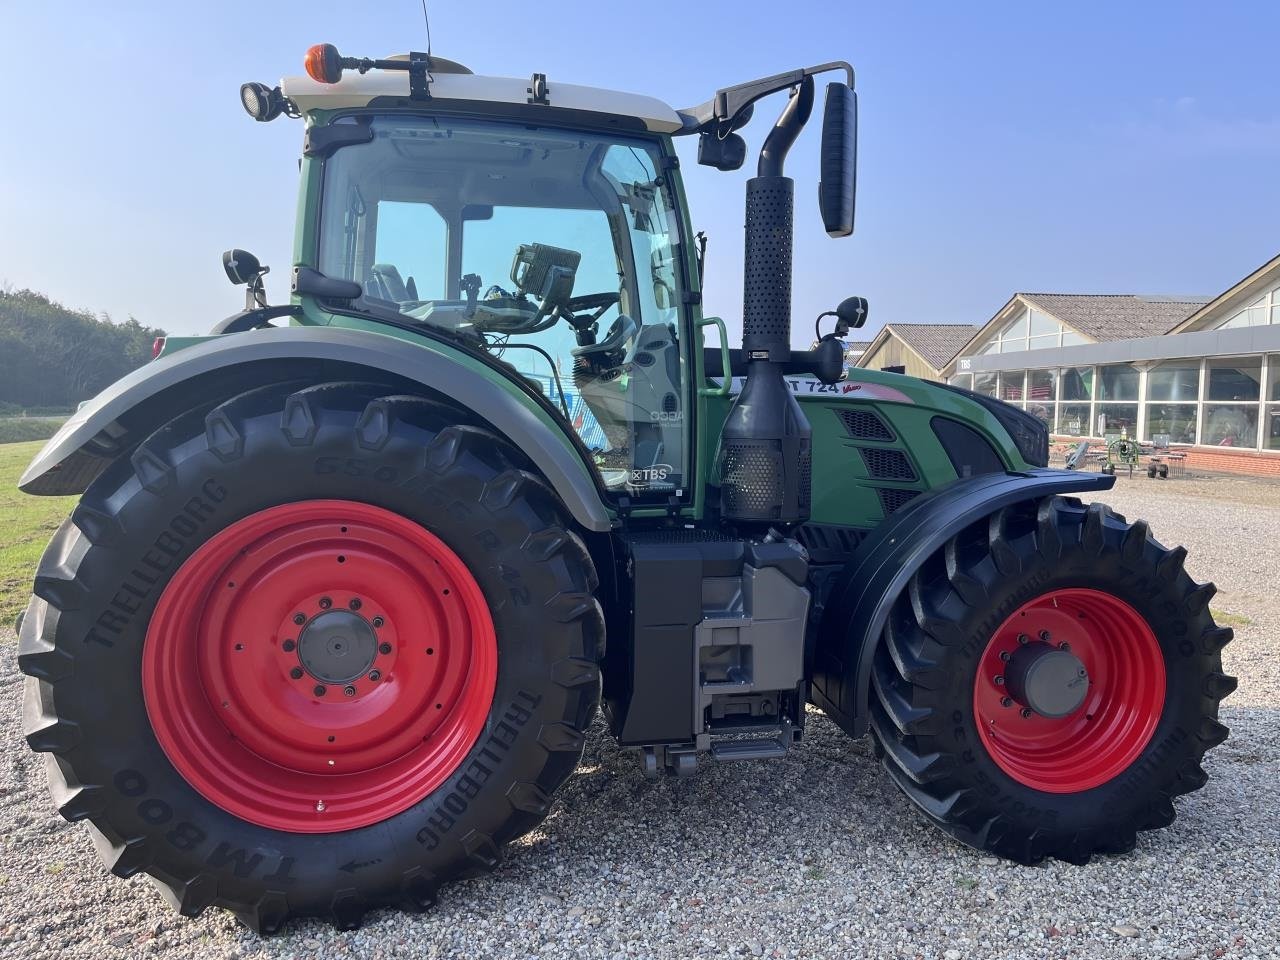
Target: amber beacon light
point(323, 63)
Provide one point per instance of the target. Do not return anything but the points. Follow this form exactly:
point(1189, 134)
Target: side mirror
point(242, 267)
point(838, 185)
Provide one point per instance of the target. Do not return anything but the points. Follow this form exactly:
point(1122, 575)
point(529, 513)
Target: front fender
point(862, 594)
point(120, 417)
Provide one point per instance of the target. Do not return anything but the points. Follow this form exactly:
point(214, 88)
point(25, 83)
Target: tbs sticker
point(654, 474)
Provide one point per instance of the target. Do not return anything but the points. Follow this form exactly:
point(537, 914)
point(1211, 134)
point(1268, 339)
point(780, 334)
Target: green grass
point(18, 429)
point(29, 522)
point(1225, 619)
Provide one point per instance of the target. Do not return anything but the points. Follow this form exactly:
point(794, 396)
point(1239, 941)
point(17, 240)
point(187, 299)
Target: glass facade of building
point(1223, 401)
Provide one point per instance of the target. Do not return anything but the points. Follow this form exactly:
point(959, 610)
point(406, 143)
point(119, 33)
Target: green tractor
point(343, 591)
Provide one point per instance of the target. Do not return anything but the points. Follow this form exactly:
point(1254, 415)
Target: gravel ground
point(814, 856)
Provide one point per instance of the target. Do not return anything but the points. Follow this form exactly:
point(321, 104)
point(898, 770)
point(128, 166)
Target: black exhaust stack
point(765, 456)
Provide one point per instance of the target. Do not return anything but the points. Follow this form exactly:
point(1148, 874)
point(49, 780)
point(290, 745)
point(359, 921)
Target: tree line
point(52, 357)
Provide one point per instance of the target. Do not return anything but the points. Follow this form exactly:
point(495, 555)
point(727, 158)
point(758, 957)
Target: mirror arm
point(255, 293)
point(729, 102)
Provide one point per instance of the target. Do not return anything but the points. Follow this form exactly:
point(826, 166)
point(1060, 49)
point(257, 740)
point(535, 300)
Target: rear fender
point(862, 594)
point(121, 416)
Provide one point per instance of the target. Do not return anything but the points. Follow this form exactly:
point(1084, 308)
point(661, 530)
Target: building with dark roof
point(917, 349)
point(1200, 373)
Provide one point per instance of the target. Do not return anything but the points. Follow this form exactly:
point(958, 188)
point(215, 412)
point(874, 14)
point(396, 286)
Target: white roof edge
point(357, 90)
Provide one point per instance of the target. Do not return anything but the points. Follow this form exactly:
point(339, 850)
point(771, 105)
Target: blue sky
point(1088, 147)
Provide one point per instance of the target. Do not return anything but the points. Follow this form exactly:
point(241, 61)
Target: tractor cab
point(545, 233)
point(555, 251)
point(542, 227)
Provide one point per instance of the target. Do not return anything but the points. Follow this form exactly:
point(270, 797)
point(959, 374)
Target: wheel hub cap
point(1049, 681)
point(337, 646)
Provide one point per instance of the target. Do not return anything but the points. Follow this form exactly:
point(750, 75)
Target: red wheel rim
point(328, 595)
point(1102, 737)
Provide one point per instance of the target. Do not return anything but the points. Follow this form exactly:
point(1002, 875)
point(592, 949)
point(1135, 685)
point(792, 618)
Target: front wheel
point(311, 653)
point(1049, 682)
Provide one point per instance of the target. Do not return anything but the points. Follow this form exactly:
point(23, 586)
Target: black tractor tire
point(924, 717)
point(82, 643)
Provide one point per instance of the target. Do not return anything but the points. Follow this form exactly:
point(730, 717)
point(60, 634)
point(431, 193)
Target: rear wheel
point(312, 653)
point(1049, 682)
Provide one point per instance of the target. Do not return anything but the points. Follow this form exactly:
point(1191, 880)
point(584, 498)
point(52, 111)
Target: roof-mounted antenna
point(426, 17)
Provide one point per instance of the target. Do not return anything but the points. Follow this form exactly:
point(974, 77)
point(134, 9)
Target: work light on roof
point(261, 102)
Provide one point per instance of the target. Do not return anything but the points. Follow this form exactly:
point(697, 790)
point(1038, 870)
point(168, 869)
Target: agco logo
point(662, 416)
point(656, 473)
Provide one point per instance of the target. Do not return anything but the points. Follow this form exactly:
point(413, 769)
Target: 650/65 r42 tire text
point(310, 653)
point(1049, 682)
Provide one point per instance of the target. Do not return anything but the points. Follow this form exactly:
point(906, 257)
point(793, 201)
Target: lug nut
point(1023, 638)
point(296, 673)
point(1004, 655)
point(1006, 701)
point(1026, 713)
point(325, 603)
point(375, 675)
point(319, 806)
point(1064, 645)
point(378, 621)
point(349, 690)
point(1044, 635)
point(355, 603)
point(999, 680)
point(288, 646)
point(384, 648)
point(299, 618)
point(319, 690)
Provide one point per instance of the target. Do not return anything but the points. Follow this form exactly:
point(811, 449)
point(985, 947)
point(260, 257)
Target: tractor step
point(770, 749)
point(753, 741)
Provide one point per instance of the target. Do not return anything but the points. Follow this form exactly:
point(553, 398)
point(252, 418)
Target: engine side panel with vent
point(875, 450)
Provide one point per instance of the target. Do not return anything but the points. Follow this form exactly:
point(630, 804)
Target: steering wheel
point(599, 303)
point(623, 329)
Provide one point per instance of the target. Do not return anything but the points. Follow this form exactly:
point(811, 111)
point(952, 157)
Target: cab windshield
point(555, 251)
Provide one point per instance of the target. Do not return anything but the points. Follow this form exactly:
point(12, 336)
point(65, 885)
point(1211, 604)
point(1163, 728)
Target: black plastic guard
point(859, 601)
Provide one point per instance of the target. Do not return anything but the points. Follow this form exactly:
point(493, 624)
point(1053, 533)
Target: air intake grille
point(806, 478)
point(885, 463)
point(893, 500)
point(751, 480)
point(864, 425)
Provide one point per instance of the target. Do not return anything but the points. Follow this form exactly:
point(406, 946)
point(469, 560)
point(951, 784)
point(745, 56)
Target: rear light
point(157, 348)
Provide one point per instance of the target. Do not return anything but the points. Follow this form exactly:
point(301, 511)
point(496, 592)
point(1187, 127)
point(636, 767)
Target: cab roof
point(455, 82)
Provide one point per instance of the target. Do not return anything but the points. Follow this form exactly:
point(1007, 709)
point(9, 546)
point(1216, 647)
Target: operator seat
point(385, 283)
